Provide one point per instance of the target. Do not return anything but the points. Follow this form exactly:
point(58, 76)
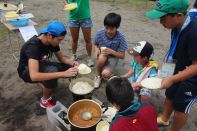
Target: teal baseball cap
point(164, 7)
point(55, 28)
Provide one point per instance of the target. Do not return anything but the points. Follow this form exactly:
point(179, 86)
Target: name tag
point(167, 70)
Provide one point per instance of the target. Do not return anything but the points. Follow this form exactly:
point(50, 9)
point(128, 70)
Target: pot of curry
point(76, 110)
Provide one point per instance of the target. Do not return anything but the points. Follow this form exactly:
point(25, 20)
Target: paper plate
point(111, 113)
point(11, 15)
point(8, 7)
point(84, 69)
point(151, 83)
point(102, 126)
point(71, 6)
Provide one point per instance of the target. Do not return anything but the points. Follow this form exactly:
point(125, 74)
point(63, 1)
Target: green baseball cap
point(164, 7)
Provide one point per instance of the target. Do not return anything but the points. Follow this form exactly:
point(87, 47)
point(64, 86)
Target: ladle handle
point(105, 105)
point(103, 116)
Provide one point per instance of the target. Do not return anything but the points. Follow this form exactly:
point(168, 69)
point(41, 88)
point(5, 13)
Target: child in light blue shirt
point(142, 67)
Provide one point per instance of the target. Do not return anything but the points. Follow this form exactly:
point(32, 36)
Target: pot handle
point(105, 105)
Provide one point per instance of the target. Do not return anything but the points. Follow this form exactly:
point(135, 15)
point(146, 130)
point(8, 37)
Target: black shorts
point(45, 66)
point(183, 95)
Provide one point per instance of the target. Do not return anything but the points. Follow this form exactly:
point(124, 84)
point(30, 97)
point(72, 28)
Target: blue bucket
point(19, 22)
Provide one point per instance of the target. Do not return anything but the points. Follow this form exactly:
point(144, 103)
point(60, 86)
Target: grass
point(136, 4)
point(142, 4)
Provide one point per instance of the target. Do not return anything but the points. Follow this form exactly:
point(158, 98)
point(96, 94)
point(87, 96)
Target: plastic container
point(19, 22)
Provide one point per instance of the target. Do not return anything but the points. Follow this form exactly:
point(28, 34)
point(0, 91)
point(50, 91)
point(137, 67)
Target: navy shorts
point(183, 95)
point(46, 66)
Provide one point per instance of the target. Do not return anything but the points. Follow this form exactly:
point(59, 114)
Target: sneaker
point(90, 62)
point(97, 81)
point(47, 103)
point(74, 57)
point(160, 122)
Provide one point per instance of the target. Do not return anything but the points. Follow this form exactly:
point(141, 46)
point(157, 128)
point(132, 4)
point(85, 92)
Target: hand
point(167, 82)
point(71, 72)
point(136, 84)
point(75, 63)
point(107, 51)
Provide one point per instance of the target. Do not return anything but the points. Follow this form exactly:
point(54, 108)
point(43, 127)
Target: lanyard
point(175, 38)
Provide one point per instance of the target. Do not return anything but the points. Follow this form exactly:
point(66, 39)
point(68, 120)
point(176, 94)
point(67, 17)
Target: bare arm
point(187, 73)
point(109, 51)
point(35, 75)
point(128, 74)
point(65, 2)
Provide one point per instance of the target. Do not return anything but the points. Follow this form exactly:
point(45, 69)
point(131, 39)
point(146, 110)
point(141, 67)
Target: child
point(80, 18)
point(131, 116)
point(35, 65)
point(182, 55)
point(142, 67)
point(110, 46)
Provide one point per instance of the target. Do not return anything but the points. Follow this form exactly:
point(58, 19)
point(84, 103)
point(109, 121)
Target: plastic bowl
point(19, 22)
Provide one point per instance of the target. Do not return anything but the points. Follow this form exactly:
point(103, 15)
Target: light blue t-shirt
point(117, 43)
point(138, 69)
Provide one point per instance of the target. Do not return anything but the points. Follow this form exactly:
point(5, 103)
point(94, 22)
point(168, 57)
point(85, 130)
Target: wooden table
point(14, 30)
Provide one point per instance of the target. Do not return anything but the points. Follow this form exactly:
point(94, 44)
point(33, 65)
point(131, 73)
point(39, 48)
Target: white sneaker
point(97, 81)
point(73, 57)
point(90, 62)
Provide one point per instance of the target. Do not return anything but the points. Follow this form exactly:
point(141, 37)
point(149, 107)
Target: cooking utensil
point(76, 109)
point(88, 116)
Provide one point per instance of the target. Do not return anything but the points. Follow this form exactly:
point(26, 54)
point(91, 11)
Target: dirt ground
point(17, 99)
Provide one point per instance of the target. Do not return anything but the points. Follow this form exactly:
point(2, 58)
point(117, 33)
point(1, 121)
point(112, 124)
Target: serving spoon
point(88, 116)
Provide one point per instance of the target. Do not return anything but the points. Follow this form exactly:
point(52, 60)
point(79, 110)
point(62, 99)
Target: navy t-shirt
point(34, 49)
point(186, 50)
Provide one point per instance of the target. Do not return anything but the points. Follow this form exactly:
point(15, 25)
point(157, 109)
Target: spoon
point(87, 116)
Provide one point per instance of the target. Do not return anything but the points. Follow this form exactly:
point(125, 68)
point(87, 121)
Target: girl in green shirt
point(80, 18)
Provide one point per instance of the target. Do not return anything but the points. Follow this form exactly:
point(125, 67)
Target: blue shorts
point(85, 23)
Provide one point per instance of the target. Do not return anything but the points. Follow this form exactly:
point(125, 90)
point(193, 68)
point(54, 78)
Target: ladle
point(88, 116)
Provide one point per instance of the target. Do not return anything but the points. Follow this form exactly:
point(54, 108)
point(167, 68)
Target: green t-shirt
point(81, 12)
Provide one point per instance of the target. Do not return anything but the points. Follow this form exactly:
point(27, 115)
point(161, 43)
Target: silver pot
point(78, 96)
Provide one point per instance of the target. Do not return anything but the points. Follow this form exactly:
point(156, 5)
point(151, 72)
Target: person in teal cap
point(179, 68)
point(35, 65)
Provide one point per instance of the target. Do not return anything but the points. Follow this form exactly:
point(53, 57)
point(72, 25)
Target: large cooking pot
point(77, 108)
point(82, 95)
